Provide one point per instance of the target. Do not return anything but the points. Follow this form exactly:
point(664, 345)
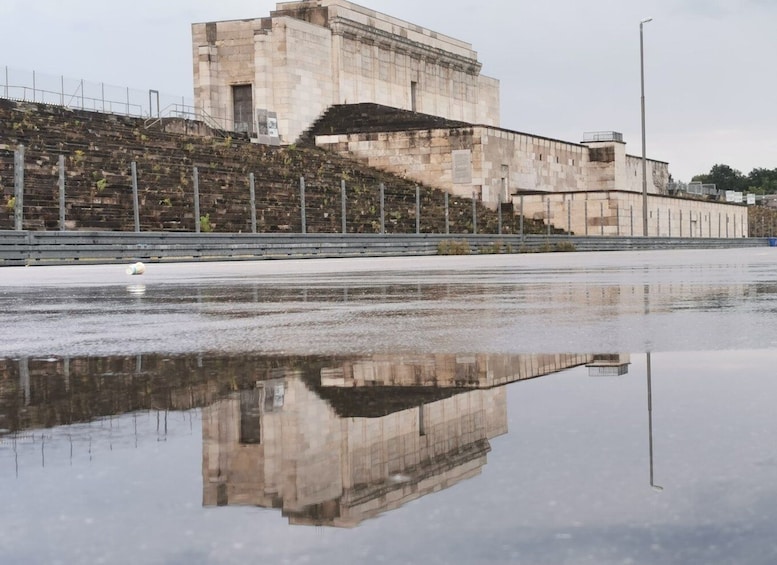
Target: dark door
point(243, 104)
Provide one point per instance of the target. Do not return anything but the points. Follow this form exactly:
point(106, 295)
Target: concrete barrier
point(19, 248)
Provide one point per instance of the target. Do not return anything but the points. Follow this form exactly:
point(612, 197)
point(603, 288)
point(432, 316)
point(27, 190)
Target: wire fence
point(80, 94)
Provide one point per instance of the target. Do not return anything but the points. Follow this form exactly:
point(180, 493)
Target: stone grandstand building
point(411, 101)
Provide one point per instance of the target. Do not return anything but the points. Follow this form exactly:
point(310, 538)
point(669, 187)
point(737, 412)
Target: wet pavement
point(562, 408)
point(642, 301)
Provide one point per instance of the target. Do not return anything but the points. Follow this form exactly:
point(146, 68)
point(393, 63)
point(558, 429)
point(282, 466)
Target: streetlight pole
point(644, 160)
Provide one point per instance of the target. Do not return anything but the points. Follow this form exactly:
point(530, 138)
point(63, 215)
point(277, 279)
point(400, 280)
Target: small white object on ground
point(136, 269)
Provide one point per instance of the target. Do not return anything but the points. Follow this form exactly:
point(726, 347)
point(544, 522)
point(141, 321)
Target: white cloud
point(565, 66)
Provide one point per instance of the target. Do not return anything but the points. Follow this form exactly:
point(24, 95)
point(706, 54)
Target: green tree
point(762, 181)
point(724, 178)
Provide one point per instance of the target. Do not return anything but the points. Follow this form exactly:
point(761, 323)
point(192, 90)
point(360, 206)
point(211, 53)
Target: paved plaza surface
point(619, 301)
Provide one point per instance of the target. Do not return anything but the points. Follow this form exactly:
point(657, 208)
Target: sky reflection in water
point(201, 465)
point(392, 411)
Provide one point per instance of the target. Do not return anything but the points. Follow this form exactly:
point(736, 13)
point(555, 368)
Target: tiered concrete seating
point(99, 149)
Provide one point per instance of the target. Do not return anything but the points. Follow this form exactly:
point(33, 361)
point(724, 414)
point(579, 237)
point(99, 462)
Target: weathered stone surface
point(311, 55)
point(99, 149)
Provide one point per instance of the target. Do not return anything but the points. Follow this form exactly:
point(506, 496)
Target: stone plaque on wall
point(267, 127)
point(462, 166)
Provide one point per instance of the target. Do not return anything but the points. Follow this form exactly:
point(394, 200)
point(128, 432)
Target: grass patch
point(453, 247)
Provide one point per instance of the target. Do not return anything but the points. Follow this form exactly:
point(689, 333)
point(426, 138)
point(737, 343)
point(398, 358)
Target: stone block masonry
point(99, 149)
point(307, 56)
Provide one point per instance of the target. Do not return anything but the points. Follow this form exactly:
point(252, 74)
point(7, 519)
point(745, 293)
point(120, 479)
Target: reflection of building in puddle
point(467, 371)
point(609, 365)
point(283, 446)
point(361, 436)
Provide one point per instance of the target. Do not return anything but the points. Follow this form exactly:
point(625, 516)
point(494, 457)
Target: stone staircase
point(371, 118)
point(99, 149)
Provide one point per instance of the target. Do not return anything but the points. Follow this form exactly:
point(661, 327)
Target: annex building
point(413, 102)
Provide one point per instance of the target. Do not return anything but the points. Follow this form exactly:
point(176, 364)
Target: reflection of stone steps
point(99, 149)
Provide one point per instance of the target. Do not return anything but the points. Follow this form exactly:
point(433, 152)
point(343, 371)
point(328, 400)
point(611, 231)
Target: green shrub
point(565, 246)
point(453, 247)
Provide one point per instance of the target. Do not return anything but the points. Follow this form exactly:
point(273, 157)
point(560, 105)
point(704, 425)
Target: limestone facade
point(619, 213)
point(590, 188)
point(309, 55)
point(496, 163)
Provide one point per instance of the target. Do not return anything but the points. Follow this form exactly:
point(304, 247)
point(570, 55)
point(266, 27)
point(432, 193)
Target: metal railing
point(188, 112)
point(33, 86)
point(58, 248)
point(591, 136)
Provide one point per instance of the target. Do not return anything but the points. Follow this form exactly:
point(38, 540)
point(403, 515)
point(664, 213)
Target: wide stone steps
point(99, 150)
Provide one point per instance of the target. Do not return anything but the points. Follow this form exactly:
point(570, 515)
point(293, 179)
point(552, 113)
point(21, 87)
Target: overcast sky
point(566, 66)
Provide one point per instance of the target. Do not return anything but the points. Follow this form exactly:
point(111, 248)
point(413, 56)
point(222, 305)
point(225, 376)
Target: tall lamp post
point(644, 160)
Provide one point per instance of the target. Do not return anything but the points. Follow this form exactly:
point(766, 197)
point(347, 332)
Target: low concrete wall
point(619, 213)
point(26, 248)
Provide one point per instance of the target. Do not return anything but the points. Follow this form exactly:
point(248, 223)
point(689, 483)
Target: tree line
point(758, 181)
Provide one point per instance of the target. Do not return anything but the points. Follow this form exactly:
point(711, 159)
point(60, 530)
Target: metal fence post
point(547, 205)
point(474, 214)
point(417, 209)
point(447, 216)
point(617, 219)
point(670, 222)
point(135, 200)
point(302, 210)
point(569, 217)
point(601, 218)
point(252, 189)
point(586, 217)
point(631, 218)
point(520, 218)
point(499, 213)
point(658, 222)
point(343, 209)
point(61, 193)
point(18, 183)
point(382, 208)
point(196, 180)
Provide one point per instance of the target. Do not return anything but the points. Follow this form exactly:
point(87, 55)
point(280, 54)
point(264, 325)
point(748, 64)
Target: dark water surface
point(444, 410)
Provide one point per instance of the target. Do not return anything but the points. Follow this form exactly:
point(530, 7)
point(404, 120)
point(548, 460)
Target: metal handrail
point(187, 112)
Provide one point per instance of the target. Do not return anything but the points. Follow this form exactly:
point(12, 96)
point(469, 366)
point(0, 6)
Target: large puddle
point(580, 408)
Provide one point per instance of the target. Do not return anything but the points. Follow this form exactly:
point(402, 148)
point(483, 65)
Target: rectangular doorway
point(242, 108)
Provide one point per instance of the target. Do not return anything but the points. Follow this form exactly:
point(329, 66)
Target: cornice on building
point(385, 40)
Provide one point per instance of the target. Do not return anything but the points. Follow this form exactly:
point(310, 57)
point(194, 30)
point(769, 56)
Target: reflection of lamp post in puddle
point(655, 487)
